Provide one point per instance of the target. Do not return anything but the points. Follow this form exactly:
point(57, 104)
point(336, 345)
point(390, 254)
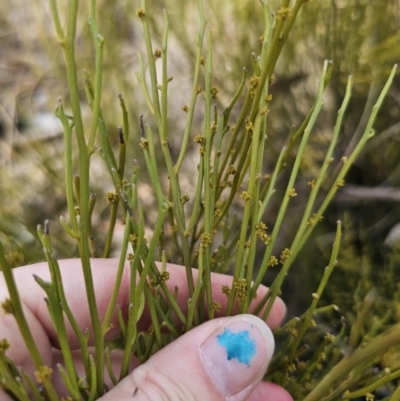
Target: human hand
point(223, 359)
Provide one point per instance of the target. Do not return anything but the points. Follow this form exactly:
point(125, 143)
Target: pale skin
point(104, 271)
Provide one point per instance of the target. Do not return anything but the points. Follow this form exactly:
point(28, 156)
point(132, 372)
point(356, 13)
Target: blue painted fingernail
point(237, 355)
point(238, 345)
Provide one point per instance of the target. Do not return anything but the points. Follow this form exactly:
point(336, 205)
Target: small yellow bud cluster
point(254, 81)
point(285, 254)
point(4, 345)
point(225, 184)
point(261, 232)
point(330, 337)
point(283, 13)
point(225, 290)
point(249, 126)
point(133, 239)
point(231, 170)
point(141, 13)
point(292, 193)
point(273, 261)
point(268, 98)
point(245, 196)
point(214, 92)
point(241, 288)
point(43, 374)
point(311, 220)
point(340, 183)
point(205, 239)
point(217, 213)
point(112, 197)
point(164, 277)
point(311, 183)
point(130, 256)
point(157, 53)
point(8, 306)
point(199, 139)
point(216, 306)
point(184, 199)
point(144, 143)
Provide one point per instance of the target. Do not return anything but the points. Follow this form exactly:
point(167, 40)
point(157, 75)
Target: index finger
point(104, 275)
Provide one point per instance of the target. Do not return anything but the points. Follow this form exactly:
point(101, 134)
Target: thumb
point(223, 359)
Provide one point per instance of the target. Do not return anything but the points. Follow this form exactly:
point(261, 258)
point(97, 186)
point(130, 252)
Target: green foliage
point(243, 199)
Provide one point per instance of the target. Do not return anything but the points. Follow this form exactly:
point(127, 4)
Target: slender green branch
point(368, 353)
point(288, 194)
point(14, 306)
point(195, 89)
point(68, 166)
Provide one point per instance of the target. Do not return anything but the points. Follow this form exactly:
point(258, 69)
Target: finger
point(223, 359)
point(32, 296)
point(104, 275)
point(269, 391)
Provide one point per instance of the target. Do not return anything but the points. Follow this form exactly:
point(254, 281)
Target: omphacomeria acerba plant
point(201, 231)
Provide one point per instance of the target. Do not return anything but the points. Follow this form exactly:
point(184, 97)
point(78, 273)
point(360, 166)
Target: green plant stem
point(368, 353)
point(162, 128)
point(265, 262)
point(317, 295)
point(124, 136)
point(118, 278)
point(368, 134)
point(396, 395)
point(136, 303)
point(195, 92)
point(56, 301)
point(208, 197)
point(151, 65)
point(69, 51)
point(57, 22)
point(255, 174)
point(99, 43)
point(69, 187)
point(142, 81)
point(194, 219)
point(193, 300)
point(19, 316)
point(122, 152)
point(249, 200)
point(230, 152)
point(111, 226)
point(372, 387)
point(106, 147)
point(10, 381)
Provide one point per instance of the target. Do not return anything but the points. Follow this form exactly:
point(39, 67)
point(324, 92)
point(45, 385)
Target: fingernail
point(237, 355)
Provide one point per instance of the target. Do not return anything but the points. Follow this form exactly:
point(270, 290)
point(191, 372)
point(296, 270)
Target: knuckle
point(153, 384)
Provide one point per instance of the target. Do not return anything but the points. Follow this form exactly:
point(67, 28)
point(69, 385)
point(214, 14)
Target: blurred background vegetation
point(362, 37)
